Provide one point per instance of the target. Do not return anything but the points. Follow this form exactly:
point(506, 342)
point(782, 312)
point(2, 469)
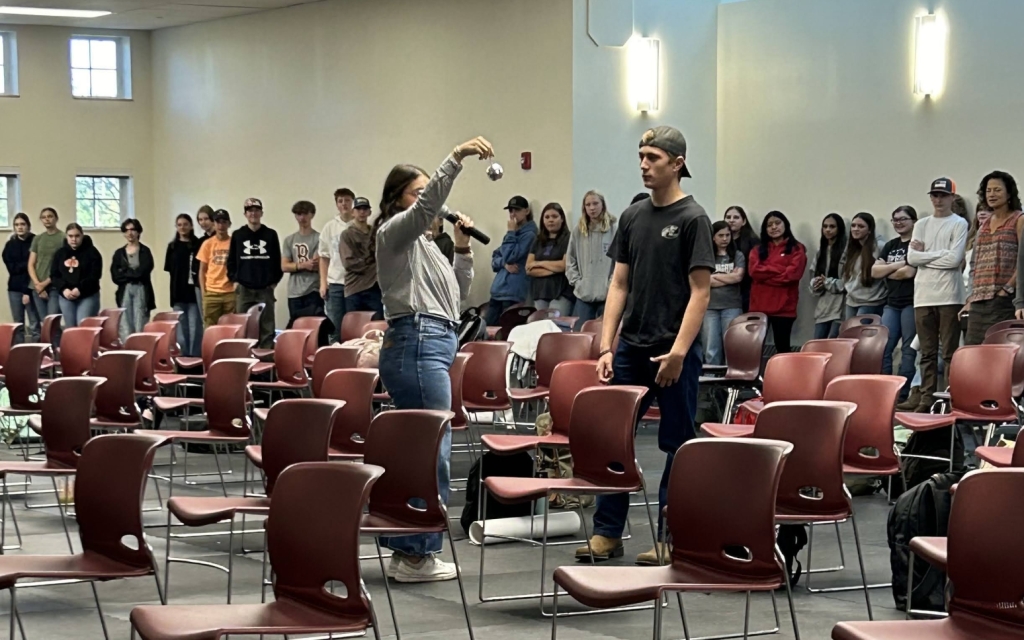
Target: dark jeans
point(936, 327)
point(678, 405)
point(824, 330)
point(334, 305)
point(246, 298)
point(24, 313)
point(901, 325)
point(495, 308)
point(366, 300)
point(871, 309)
point(984, 314)
point(587, 311)
point(305, 306)
point(782, 333)
point(415, 357)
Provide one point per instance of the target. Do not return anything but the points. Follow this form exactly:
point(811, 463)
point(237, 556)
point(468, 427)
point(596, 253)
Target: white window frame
point(9, 66)
point(124, 66)
point(12, 177)
point(127, 202)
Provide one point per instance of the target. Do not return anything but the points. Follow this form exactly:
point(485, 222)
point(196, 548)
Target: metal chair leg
point(99, 610)
point(458, 574)
point(860, 560)
point(60, 509)
point(789, 593)
point(910, 583)
point(387, 589)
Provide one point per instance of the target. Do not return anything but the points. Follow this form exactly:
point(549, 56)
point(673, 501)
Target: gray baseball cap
point(668, 139)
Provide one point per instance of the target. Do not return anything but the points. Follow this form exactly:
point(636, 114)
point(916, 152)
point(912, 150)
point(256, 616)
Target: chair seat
point(212, 621)
point(165, 404)
point(31, 468)
point(785, 514)
point(995, 456)
point(523, 395)
point(259, 354)
point(35, 423)
point(254, 452)
point(723, 430)
point(261, 413)
point(378, 525)
point(168, 379)
point(196, 436)
point(726, 381)
point(111, 425)
point(88, 565)
point(511, 444)
point(382, 397)
point(10, 411)
point(714, 369)
point(278, 384)
point(924, 421)
point(858, 470)
point(515, 490)
point(753, 406)
point(201, 511)
point(188, 362)
point(932, 549)
point(955, 627)
point(262, 367)
point(621, 586)
point(338, 454)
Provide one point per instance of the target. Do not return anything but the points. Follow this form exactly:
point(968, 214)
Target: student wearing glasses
point(898, 313)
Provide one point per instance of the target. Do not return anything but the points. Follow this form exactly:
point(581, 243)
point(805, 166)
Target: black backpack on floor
point(519, 465)
point(921, 511)
point(928, 443)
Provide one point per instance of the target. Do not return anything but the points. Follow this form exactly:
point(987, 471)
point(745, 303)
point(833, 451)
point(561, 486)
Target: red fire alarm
point(526, 160)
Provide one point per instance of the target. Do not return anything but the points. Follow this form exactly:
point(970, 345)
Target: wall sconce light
point(644, 71)
point(930, 55)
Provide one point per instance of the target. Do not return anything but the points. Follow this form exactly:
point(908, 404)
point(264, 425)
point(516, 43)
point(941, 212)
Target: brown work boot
point(912, 401)
point(650, 558)
point(604, 549)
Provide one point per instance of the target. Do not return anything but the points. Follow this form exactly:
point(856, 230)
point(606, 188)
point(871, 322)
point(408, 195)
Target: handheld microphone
point(472, 232)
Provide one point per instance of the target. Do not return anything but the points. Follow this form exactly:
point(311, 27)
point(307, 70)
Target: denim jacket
point(514, 249)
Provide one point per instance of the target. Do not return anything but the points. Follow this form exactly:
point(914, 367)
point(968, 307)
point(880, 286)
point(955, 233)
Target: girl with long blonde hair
point(587, 265)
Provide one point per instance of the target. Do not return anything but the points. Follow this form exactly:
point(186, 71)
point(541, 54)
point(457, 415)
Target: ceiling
point(144, 14)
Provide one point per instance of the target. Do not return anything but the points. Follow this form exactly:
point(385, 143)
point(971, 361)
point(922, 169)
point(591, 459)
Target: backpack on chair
point(472, 327)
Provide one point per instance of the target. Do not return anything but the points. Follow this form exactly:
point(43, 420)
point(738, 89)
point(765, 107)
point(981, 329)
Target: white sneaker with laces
point(428, 569)
point(392, 569)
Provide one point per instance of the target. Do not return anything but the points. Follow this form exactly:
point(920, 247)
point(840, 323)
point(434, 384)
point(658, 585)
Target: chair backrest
point(744, 345)
point(867, 318)
point(869, 440)
point(115, 399)
point(213, 335)
point(750, 316)
point(1011, 336)
point(1017, 459)
point(329, 358)
point(67, 409)
point(297, 430)
point(79, 346)
point(594, 328)
point(311, 324)
point(406, 444)
point(22, 376)
point(513, 317)
point(376, 325)
point(313, 535)
point(1005, 324)
point(144, 371)
point(7, 333)
point(813, 480)
point(456, 374)
point(110, 339)
point(842, 355)
point(51, 329)
point(225, 402)
point(162, 362)
point(567, 380)
point(355, 387)
point(981, 380)
point(290, 356)
point(233, 348)
point(167, 316)
point(869, 350)
point(729, 486)
point(110, 485)
point(795, 376)
point(484, 384)
point(93, 321)
point(543, 314)
point(986, 525)
point(235, 319)
point(601, 428)
point(252, 321)
point(553, 348)
point(352, 324)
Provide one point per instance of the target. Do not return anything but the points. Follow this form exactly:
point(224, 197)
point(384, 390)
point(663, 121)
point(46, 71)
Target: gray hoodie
point(587, 265)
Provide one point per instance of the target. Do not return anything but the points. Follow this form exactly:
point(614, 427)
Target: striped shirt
point(994, 259)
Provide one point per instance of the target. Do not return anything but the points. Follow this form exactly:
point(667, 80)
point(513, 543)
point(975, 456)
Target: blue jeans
point(417, 352)
point(825, 330)
point(678, 404)
point(74, 311)
point(190, 329)
point(366, 300)
point(335, 308)
point(587, 311)
point(136, 313)
point(716, 321)
point(901, 325)
point(494, 310)
point(874, 309)
point(26, 314)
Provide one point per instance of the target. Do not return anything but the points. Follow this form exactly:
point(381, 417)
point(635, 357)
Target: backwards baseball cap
point(668, 139)
point(221, 215)
point(253, 203)
point(518, 202)
point(362, 203)
point(943, 185)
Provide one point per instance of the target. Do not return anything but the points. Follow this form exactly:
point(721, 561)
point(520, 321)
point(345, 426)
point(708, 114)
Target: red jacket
point(776, 279)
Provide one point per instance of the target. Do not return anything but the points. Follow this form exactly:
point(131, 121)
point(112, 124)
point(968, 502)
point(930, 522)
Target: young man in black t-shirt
point(660, 289)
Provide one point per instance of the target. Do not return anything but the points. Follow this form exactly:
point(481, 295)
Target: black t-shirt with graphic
point(661, 246)
point(556, 285)
point(901, 292)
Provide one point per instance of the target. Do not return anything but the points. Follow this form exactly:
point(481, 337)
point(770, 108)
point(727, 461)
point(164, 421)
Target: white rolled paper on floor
point(559, 524)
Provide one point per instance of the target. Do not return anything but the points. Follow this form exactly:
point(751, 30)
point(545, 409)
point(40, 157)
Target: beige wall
point(291, 104)
point(50, 136)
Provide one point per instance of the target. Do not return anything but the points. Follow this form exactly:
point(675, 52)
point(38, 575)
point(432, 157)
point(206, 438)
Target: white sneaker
point(428, 569)
point(392, 569)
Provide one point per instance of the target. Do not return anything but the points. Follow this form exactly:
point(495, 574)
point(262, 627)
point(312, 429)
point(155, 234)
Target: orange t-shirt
point(214, 253)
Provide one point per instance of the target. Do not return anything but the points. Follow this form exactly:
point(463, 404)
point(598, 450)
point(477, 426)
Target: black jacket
point(180, 261)
point(254, 259)
point(122, 274)
point(79, 268)
point(16, 258)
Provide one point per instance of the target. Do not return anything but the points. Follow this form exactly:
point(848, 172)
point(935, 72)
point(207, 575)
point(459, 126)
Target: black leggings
point(781, 330)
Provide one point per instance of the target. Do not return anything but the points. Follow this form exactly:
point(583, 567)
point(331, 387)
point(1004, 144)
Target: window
point(100, 67)
point(8, 197)
point(102, 202)
point(8, 64)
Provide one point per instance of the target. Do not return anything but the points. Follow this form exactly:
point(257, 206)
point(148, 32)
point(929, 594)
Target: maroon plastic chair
point(109, 489)
point(252, 328)
point(312, 539)
point(22, 381)
point(870, 349)
point(1004, 456)
point(1005, 324)
point(988, 581)
point(866, 319)
point(297, 430)
point(289, 364)
point(166, 316)
point(166, 348)
point(115, 399)
point(729, 486)
point(543, 314)
point(376, 325)
point(329, 358)
point(111, 328)
point(50, 329)
point(79, 347)
point(8, 330)
point(353, 324)
point(601, 441)
point(511, 318)
point(145, 373)
point(211, 337)
point(460, 421)
point(870, 448)
point(750, 316)
point(1012, 336)
point(980, 388)
point(311, 324)
point(842, 355)
point(553, 348)
point(406, 445)
point(355, 387)
point(484, 388)
point(744, 345)
point(595, 326)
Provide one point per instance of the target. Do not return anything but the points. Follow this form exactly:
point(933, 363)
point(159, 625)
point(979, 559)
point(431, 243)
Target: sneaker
point(428, 569)
point(392, 569)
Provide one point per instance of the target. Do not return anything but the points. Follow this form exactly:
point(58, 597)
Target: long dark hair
point(543, 232)
point(747, 230)
point(401, 176)
point(1013, 196)
point(730, 249)
point(22, 216)
point(191, 233)
point(864, 249)
point(830, 255)
point(787, 234)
